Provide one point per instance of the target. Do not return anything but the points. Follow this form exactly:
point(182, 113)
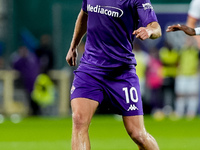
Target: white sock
point(192, 106)
point(180, 106)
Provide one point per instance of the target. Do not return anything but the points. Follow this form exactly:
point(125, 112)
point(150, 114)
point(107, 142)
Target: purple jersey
point(109, 30)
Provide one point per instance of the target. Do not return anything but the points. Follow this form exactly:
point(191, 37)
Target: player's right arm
point(79, 31)
point(152, 31)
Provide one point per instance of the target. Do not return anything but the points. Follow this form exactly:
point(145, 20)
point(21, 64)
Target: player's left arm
point(184, 28)
point(151, 31)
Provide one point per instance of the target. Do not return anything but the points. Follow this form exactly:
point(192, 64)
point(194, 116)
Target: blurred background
point(35, 79)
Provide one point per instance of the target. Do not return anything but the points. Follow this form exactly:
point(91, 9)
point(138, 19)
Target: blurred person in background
point(44, 91)
point(169, 58)
point(107, 68)
point(45, 54)
point(190, 28)
point(154, 80)
point(27, 64)
point(187, 81)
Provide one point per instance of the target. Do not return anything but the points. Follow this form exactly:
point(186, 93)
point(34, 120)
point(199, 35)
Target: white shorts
point(187, 85)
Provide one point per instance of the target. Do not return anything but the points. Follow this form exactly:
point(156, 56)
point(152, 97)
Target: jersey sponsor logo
point(147, 6)
point(132, 107)
point(105, 10)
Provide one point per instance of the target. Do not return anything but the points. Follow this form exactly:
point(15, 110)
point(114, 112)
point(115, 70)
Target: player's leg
point(192, 106)
point(180, 104)
point(181, 95)
point(82, 111)
point(193, 97)
point(136, 130)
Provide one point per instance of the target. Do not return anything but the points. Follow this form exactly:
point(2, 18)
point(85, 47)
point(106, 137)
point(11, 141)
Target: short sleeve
point(84, 5)
point(194, 9)
point(145, 11)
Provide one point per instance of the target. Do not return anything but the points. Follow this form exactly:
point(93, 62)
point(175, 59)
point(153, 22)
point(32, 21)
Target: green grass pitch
point(106, 132)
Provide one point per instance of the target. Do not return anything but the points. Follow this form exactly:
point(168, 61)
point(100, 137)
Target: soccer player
point(107, 69)
point(189, 31)
point(192, 19)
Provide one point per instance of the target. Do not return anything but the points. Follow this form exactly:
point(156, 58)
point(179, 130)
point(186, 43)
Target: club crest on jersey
point(106, 10)
point(72, 89)
point(147, 6)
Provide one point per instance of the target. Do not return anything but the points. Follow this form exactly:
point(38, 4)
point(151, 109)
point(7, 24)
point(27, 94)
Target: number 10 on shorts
point(130, 93)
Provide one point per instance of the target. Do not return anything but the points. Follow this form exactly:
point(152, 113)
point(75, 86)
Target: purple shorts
point(119, 86)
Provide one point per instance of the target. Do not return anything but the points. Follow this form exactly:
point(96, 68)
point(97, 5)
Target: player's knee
point(79, 121)
point(138, 137)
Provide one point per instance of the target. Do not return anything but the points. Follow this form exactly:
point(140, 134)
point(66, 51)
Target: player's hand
point(172, 28)
point(71, 57)
point(143, 33)
point(184, 28)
